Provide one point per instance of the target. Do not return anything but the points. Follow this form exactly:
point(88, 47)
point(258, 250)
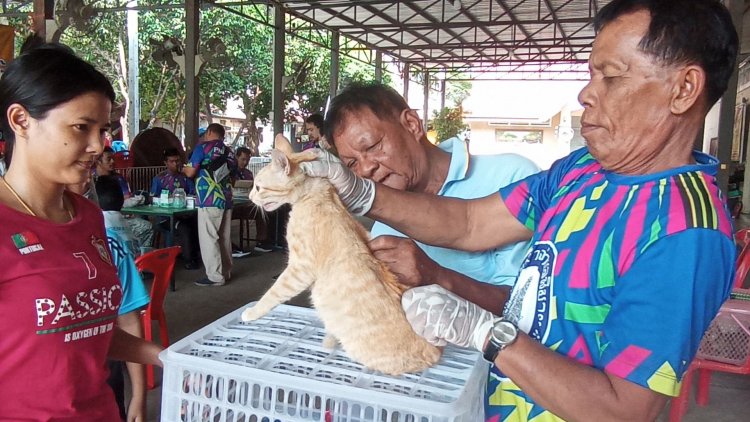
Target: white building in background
point(537, 119)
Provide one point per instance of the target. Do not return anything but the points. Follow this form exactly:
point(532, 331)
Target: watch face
point(504, 331)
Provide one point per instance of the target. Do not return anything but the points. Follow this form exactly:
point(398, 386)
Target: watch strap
point(491, 351)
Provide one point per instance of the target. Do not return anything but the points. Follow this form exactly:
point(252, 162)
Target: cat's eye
point(257, 188)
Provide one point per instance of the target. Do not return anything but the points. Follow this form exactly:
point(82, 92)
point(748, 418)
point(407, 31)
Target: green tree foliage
point(448, 122)
point(243, 70)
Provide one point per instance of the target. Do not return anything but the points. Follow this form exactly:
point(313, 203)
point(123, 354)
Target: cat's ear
point(282, 144)
point(281, 161)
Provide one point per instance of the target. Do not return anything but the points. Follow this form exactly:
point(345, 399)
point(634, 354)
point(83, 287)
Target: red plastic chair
point(726, 345)
point(161, 264)
point(123, 160)
point(742, 237)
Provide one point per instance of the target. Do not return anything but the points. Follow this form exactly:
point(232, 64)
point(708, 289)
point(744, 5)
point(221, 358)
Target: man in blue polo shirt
point(381, 138)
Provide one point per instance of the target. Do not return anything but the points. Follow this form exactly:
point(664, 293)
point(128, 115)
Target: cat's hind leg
point(290, 283)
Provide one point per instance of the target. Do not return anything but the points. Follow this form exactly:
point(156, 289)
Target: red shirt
point(59, 296)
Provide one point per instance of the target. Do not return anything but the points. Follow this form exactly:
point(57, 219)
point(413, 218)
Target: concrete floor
point(191, 308)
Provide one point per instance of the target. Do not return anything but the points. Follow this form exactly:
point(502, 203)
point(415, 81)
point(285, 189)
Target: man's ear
point(411, 121)
point(18, 120)
point(689, 89)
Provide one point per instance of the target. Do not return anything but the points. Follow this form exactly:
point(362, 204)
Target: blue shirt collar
point(459, 167)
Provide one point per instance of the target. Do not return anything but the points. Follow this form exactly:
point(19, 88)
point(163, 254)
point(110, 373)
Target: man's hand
point(442, 317)
point(406, 260)
point(355, 192)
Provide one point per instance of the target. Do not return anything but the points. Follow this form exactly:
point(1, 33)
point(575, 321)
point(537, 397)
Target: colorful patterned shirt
point(213, 193)
point(625, 273)
point(171, 181)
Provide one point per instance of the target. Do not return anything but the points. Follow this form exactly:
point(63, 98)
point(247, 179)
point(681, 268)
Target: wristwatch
point(502, 334)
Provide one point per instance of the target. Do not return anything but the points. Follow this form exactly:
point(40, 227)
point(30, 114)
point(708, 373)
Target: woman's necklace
point(25, 205)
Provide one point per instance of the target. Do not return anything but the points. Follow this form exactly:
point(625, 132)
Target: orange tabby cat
point(357, 297)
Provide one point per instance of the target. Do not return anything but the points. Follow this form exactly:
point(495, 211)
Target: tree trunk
point(161, 93)
point(252, 140)
point(122, 83)
point(236, 139)
point(176, 120)
point(207, 104)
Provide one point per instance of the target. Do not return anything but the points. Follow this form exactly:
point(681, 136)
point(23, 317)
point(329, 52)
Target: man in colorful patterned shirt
point(186, 226)
point(172, 178)
point(632, 252)
point(212, 165)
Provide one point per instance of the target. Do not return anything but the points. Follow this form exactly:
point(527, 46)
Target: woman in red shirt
point(60, 292)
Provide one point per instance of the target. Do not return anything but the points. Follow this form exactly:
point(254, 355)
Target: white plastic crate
point(276, 370)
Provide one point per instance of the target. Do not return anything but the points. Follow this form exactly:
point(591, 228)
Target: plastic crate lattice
point(275, 369)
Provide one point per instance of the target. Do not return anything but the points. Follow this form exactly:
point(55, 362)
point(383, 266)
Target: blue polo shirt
point(469, 177)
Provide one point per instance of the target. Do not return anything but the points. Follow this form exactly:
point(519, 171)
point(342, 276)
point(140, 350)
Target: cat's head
point(281, 181)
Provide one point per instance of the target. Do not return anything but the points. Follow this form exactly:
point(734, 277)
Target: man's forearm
point(470, 225)
point(488, 296)
point(573, 391)
point(420, 216)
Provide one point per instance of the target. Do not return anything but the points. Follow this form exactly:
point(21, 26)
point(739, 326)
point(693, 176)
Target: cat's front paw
point(250, 314)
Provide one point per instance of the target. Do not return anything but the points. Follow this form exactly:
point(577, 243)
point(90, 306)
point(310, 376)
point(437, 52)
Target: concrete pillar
point(42, 17)
point(192, 34)
point(134, 98)
point(378, 67)
point(426, 104)
point(335, 64)
point(442, 94)
point(277, 97)
point(726, 115)
point(406, 82)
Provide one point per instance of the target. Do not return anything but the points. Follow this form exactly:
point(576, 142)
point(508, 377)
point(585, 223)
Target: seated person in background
point(186, 226)
point(248, 209)
point(85, 189)
point(314, 131)
point(105, 166)
point(123, 248)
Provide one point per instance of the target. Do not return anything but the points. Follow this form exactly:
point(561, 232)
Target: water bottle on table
point(180, 198)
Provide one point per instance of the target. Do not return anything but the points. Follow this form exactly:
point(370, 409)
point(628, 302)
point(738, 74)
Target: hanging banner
point(6, 46)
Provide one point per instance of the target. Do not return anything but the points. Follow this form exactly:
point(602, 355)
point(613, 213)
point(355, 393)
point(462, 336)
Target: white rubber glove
point(441, 317)
point(355, 192)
